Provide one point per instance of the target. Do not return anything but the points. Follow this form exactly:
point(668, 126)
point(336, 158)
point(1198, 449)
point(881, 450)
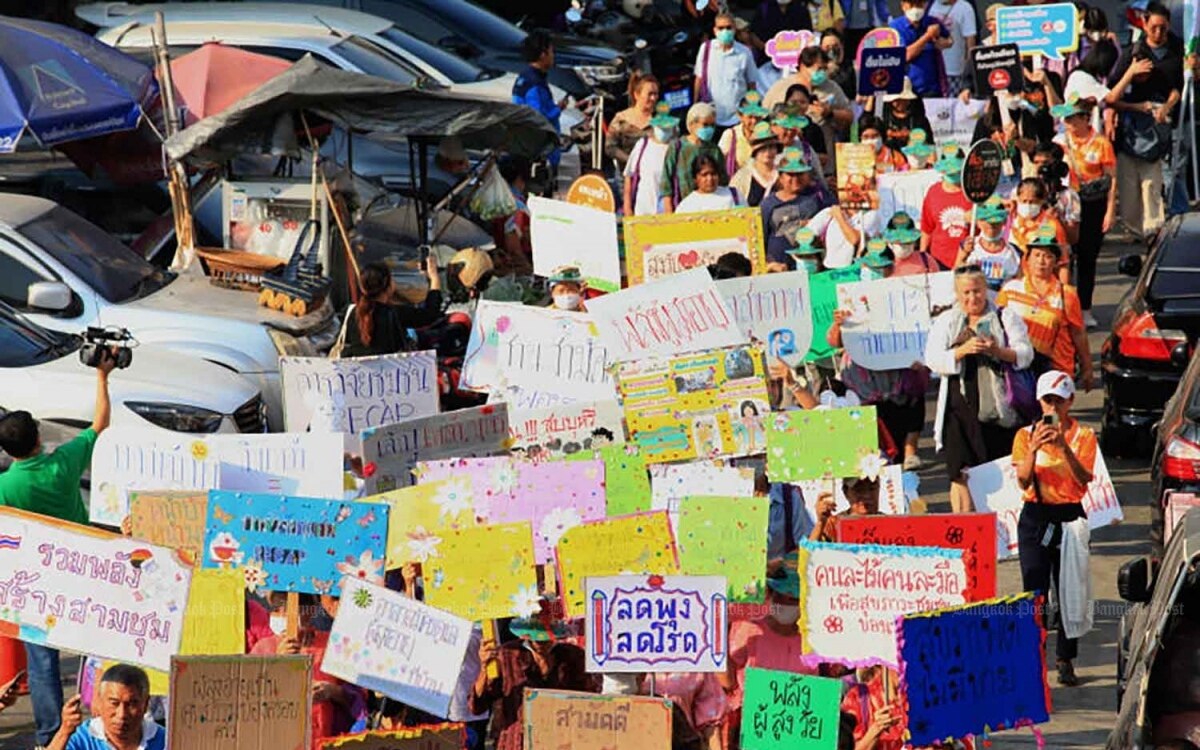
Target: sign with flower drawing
point(638, 544)
point(295, 543)
point(822, 444)
point(384, 641)
point(482, 573)
point(424, 511)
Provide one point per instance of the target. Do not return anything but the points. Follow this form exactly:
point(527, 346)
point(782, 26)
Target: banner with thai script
point(626, 483)
point(284, 463)
point(702, 405)
point(584, 721)
point(391, 452)
point(482, 572)
point(640, 544)
point(566, 429)
point(964, 670)
point(822, 443)
point(423, 510)
point(656, 624)
point(240, 702)
point(894, 494)
point(426, 737)
point(775, 309)
point(569, 234)
point(889, 319)
point(851, 595)
point(725, 536)
point(172, 519)
point(789, 711)
point(384, 641)
point(295, 543)
point(77, 588)
point(678, 314)
point(662, 245)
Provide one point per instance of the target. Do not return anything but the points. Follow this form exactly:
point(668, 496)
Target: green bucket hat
point(950, 160)
point(565, 275)
point(762, 136)
point(663, 117)
point(1046, 237)
point(785, 579)
point(992, 211)
point(902, 229)
point(804, 239)
point(752, 105)
point(1074, 105)
point(876, 245)
point(877, 260)
point(793, 161)
point(918, 143)
point(785, 116)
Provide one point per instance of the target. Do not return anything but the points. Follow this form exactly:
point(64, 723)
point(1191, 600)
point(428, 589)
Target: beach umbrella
point(211, 78)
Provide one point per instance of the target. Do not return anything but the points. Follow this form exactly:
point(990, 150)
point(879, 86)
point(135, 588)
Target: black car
point(1155, 328)
point(1176, 459)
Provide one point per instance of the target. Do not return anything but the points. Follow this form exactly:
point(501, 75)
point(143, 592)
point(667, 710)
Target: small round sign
point(981, 170)
point(999, 79)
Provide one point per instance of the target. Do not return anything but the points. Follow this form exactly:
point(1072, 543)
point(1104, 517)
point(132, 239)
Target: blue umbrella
point(62, 85)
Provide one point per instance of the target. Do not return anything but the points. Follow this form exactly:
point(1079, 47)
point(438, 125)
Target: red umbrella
point(215, 76)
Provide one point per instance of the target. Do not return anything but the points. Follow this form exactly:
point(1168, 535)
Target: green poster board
point(786, 711)
point(626, 481)
point(822, 288)
point(725, 536)
point(820, 443)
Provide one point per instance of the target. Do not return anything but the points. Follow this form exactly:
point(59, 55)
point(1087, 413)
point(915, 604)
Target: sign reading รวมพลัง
point(585, 721)
point(566, 429)
point(661, 245)
point(775, 309)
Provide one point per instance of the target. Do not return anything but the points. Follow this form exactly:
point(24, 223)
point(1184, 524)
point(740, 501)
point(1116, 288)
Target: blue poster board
point(882, 69)
point(1046, 30)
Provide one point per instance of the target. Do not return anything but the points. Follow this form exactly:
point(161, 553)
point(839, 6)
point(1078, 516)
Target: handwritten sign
point(904, 191)
point(77, 588)
point(851, 596)
point(384, 641)
point(295, 543)
point(240, 702)
point(626, 484)
point(724, 536)
point(656, 624)
point(680, 314)
point(422, 510)
point(788, 710)
point(582, 721)
point(881, 69)
point(775, 309)
point(1046, 30)
point(822, 443)
point(889, 320)
point(661, 245)
point(965, 669)
point(454, 563)
point(308, 464)
point(171, 519)
point(1101, 502)
point(639, 544)
point(856, 176)
point(893, 497)
point(998, 68)
point(391, 452)
point(785, 47)
point(566, 429)
point(571, 234)
point(428, 737)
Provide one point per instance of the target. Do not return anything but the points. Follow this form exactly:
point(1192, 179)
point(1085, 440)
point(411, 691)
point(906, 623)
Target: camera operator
point(1054, 171)
point(48, 484)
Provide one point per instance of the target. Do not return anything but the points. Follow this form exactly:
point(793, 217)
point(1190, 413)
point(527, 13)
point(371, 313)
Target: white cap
point(1055, 383)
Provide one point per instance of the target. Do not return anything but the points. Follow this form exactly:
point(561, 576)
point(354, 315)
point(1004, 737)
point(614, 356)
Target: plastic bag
point(493, 199)
point(1075, 582)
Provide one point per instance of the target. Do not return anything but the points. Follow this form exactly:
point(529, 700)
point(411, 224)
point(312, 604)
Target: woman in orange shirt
point(1031, 212)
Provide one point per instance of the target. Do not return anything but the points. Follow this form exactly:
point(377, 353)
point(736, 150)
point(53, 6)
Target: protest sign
point(626, 485)
point(724, 536)
point(823, 291)
point(973, 533)
point(656, 624)
point(884, 36)
point(349, 395)
point(670, 483)
point(77, 588)
point(881, 70)
point(639, 544)
point(852, 594)
point(785, 47)
point(583, 721)
point(391, 452)
point(998, 68)
point(953, 121)
point(137, 458)
point(1178, 504)
point(903, 191)
point(426, 737)
point(789, 710)
point(565, 429)
point(964, 670)
point(701, 405)
point(295, 543)
point(172, 519)
point(1046, 30)
point(307, 464)
point(240, 702)
point(535, 357)
point(592, 190)
point(384, 641)
point(481, 573)
point(552, 495)
point(569, 234)
point(426, 508)
point(889, 320)
point(981, 170)
point(821, 444)
point(893, 500)
point(661, 245)
point(679, 314)
point(856, 176)
point(1101, 502)
point(776, 309)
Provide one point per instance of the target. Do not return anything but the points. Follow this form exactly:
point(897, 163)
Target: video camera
point(1053, 174)
point(116, 342)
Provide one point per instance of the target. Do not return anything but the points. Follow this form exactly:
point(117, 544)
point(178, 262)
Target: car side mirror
point(50, 296)
point(1181, 354)
point(1130, 265)
point(1133, 580)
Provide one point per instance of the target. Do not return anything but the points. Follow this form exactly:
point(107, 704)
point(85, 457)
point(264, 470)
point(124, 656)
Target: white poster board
point(776, 309)
point(953, 121)
point(569, 234)
point(893, 500)
point(905, 191)
point(566, 429)
point(282, 463)
point(889, 319)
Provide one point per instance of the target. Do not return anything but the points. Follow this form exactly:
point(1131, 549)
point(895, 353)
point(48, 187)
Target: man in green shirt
point(48, 483)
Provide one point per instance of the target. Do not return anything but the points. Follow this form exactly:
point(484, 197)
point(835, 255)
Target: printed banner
point(882, 70)
point(427, 737)
point(170, 519)
point(569, 234)
point(566, 429)
point(482, 573)
point(1048, 30)
point(856, 176)
point(785, 47)
point(416, 512)
point(583, 721)
point(852, 594)
point(384, 641)
point(295, 543)
point(889, 319)
point(697, 405)
point(965, 670)
point(785, 710)
point(680, 314)
point(240, 702)
point(953, 121)
point(998, 68)
point(639, 544)
point(391, 452)
point(626, 483)
point(80, 589)
point(656, 624)
point(775, 309)
point(822, 444)
point(725, 536)
point(661, 245)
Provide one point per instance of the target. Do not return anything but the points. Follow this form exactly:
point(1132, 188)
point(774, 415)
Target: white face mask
point(278, 624)
point(901, 250)
point(914, 14)
point(785, 614)
point(1028, 210)
point(875, 143)
point(991, 233)
point(1095, 36)
point(568, 301)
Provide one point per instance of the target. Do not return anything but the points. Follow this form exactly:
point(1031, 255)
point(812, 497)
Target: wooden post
point(177, 184)
point(491, 634)
point(293, 615)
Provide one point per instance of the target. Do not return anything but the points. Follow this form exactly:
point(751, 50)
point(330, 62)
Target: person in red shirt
point(946, 212)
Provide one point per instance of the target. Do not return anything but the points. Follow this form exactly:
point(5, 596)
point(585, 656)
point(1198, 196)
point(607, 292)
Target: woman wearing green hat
point(736, 142)
point(644, 170)
point(796, 200)
point(991, 250)
point(677, 175)
point(756, 179)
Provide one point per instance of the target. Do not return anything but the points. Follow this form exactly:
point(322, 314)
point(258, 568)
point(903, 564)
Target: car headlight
point(288, 345)
point(598, 75)
point(177, 417)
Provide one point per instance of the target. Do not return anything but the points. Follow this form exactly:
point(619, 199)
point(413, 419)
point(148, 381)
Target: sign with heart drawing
point(662, 245)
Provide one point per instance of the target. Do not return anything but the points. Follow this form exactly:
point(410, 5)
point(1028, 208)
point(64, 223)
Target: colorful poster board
point(852, 594)
point(821, 443)
point(788, 710)
point(76, 588)
point(856, 176)
point(455, 564)
point(785, 47)
point(583, 721)
point(889, 320)
point(656, 624)
point(240, 702)
point(964, 670)
point(421, 510)
point(884, 36)
point(626, 483)
point(823, 291)
point(170, 519)
point(662, 245)
point(775, 309)
point(639, 544)
point(671, 483)
point(427, 737)
point(566, 429)
point(701, 405)
point(384, 641)
point(1048, 30)
point(725, 536)
point(295, 543)
point(882, 70)
point(571, 234)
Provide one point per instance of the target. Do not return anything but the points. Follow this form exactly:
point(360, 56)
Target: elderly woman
point(756, 179)
point(678, 176)
point(970, 345)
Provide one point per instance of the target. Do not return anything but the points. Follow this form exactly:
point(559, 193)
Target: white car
point(65, 274)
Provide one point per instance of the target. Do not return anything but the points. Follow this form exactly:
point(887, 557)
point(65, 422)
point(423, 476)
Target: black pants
point(1040, 562)
point(1087, 250)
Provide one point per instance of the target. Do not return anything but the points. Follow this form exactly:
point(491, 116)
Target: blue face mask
point(662, 134)
point(725, 36)
point(819, 77)
point(705, 132)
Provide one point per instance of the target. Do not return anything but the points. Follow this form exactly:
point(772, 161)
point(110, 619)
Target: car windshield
point(22, 343)
point(481, 23)
point(101, 261)
point(454, 68)
point(372, 60)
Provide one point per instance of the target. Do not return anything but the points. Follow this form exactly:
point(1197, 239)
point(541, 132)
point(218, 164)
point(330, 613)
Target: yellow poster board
point(425, 509)
point(638, 544)
point(482, 573)
point(665, 244)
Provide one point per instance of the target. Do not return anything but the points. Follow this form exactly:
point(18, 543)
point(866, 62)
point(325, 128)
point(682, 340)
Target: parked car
point(1175, 460)
point(65, 273)
point(1154, 331)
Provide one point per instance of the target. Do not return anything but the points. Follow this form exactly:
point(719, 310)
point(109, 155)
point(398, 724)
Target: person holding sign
point(756, 179)
point(644, 170)
point(903, 116)
point(887, 159)
point(923, 38)
point(991, 250)
point(946, 211)
point(677, 175)
point(795, 201)
point(121, 722)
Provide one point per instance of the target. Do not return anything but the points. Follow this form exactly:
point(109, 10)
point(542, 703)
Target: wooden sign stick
point(293, 615)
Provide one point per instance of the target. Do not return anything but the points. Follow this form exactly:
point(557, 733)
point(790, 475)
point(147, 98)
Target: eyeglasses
point(969, 268)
